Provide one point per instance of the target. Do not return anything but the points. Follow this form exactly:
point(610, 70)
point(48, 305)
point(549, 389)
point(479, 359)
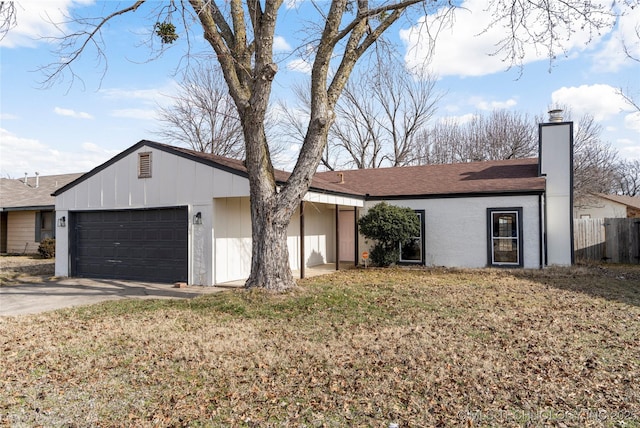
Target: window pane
point(411, 251)
point(505, 225)
point(505, 251)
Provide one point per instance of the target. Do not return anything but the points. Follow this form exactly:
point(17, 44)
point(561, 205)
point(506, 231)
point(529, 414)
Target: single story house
point(600, 205)
point(162, 213)
point(27, 211)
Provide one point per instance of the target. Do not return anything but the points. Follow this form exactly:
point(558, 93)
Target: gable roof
point(472, 178)
point(514, 176)
point(233, 166)
point(630, 201)
point(16, 195)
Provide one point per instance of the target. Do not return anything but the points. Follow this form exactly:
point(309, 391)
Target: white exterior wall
point(319, 235)
point(175, 181)
point(456, 229)
point(232, 238)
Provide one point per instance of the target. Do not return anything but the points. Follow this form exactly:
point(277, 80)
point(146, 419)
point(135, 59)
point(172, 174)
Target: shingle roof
point(15, 194)
point(474, 178)
point(630, 201)
point(506, 176)
point(317, 183)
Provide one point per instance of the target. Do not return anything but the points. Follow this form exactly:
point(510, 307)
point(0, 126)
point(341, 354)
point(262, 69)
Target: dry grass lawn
point(422, 348)
point(15, 268)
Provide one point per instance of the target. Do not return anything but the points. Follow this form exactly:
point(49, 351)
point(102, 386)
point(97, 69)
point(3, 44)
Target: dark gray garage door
point(144, 245)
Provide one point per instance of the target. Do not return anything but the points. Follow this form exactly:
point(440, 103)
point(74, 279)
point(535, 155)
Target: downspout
point(357, 238)
point(301, 239)
point(540, 230)
point(337, 237)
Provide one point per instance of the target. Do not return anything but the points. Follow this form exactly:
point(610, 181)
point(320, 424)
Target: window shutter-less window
point(38, 226)
point(144, 165)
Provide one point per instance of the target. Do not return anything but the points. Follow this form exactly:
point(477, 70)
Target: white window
point(505, 237)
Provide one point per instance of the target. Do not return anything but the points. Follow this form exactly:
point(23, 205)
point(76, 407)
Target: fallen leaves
point(430, 347)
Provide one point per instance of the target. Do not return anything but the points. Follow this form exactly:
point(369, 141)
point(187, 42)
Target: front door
point(347, 235)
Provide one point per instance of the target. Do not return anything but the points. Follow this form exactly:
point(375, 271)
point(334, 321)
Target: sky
point(74, 123)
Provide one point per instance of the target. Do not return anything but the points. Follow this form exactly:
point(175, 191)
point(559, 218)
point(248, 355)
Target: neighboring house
point(27, 211)
point(607, 206)
point(165, 214)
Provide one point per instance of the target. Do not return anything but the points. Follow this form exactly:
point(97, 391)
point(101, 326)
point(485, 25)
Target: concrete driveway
point(35, 295)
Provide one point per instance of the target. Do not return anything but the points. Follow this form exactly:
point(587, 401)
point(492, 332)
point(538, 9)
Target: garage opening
point(148, 245)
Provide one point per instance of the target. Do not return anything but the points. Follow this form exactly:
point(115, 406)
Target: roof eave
point(529, 192)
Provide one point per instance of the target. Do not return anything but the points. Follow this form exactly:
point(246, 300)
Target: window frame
point(519, 237)
point(421, 240)
point(44, 230)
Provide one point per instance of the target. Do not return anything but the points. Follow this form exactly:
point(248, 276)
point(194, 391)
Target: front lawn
point(431, 347)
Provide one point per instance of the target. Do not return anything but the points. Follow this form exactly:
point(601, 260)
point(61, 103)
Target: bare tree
point(502, 134)
point(356, 130)
point(594, 161)
point(203, 116)
point(294, 119)
point(628, 178)
point(8, 17)
point(242, 36)
point(380, 115)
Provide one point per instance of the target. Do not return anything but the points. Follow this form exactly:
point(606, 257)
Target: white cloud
point(632, 121)
point(135, 113)
point(20, 155)
point(34, 21)
point(631, 151)
point(72, 113)
point(467, 47)
point(146, 95)
point(300, 65)
point(611, 55)
point(495, 105)
point(8, 116)
point(293, 4)
point(280, 44)
point(600, 101)
point(461, 119)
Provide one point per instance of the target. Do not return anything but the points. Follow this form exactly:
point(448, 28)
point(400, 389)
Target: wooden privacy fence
point(615, 240)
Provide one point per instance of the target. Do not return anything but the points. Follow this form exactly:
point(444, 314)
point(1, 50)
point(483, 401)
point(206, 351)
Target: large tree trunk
point(269, 256)
point(270, 215)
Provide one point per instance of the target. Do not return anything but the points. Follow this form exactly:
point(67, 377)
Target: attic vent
point(144, 165)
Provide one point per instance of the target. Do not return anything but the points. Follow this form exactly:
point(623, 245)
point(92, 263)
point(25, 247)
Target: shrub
point(47, 248)
point(389, 226)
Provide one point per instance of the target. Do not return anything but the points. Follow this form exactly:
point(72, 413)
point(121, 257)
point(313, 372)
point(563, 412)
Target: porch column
point(356, 256)
point(301, 239)
point(337, 237)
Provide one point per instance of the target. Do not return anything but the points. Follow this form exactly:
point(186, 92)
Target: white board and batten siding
point(189, 183)
point(220, 247)
point(456, 229)
point(232, 237)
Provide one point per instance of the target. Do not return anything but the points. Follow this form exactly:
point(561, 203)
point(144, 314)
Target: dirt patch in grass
point(429, 347)
point(13, 269)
